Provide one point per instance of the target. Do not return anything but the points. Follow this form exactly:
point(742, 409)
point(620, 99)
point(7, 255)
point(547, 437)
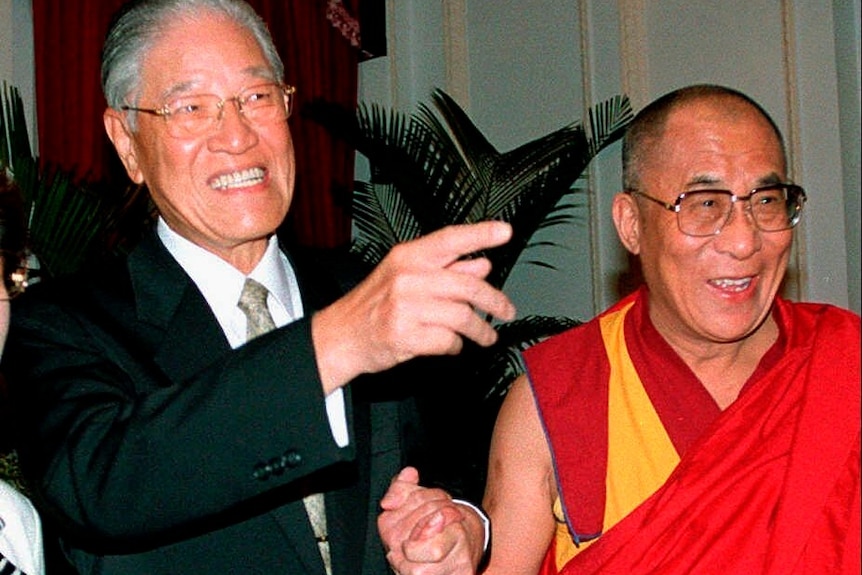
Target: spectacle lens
point(198, 114)
point(705, 212)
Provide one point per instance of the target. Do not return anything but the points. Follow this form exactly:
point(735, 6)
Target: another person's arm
point(521, 489)
point(426, 533)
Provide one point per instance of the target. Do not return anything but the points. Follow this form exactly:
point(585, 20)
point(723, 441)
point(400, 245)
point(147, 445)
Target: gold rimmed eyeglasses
point(16, 275)
point(198, 114)
point(702, 213)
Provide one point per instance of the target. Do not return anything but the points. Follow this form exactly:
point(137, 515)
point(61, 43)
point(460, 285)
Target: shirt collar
point(221, 283)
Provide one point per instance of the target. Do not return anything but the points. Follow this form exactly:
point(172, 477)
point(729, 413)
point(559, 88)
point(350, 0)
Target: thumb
point(399, 488)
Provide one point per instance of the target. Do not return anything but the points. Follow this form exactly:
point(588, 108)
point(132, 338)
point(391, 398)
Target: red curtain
point(318, 59)
point(69, 103)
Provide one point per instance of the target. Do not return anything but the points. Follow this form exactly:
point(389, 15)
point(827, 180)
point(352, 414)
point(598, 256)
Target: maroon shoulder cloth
point(774, 486)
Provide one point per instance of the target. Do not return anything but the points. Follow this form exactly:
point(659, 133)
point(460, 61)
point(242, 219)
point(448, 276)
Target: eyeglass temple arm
point(670, 207)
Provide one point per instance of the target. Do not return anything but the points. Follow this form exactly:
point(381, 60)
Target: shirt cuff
point(335, 411)
point(486, 524)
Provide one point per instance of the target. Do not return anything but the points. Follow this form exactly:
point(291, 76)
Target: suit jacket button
point(291, 458)
point(261, 472)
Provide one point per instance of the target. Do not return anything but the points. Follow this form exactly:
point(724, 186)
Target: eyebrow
point(767, 180)
point(176, 90)
point(701, 180)
point(252, 72)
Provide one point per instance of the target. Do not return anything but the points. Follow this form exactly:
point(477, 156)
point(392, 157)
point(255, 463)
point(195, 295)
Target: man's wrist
point(486, 525)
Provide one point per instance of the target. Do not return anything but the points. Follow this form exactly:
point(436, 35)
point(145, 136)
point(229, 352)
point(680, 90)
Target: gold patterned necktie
point(252, 302)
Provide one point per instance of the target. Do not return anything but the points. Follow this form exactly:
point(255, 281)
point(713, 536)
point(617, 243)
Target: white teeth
point(738, 285)
point(238, 179)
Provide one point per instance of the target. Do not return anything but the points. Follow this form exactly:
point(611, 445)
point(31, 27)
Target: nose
point(740, 235)
point(237, 102)
point(234, 133)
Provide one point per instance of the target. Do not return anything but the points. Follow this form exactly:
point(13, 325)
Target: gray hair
point(648, 126)
point(136, 27)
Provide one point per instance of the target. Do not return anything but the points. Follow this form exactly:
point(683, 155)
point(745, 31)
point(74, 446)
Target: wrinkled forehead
point(731, 135)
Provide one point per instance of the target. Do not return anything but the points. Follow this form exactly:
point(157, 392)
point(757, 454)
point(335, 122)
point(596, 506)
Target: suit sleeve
point(133, 433)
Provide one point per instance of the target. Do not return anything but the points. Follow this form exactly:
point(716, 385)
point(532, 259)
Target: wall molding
point(456, 51)
point(796, 279)
point(633, 51)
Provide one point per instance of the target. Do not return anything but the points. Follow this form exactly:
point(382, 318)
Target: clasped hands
point(425, 532)
point(422, 299)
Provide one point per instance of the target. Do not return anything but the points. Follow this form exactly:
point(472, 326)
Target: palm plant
point(435, 168)
point(70, 223)
point(429, 170)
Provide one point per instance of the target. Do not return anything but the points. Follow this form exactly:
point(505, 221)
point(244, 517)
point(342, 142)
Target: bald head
point(645, 133)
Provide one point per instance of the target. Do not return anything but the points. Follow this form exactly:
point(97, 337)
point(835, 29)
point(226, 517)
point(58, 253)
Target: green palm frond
point(608, 122)
point(14, 141)
point(69, 222)
point(382, 220)
point(64, 221)
point(435, 168)
point(448, 172)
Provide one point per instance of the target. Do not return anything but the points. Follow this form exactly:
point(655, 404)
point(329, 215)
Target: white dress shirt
point(221, 285)
point(20, 533)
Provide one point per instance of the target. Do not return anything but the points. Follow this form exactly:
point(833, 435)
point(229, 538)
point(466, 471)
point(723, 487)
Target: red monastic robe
point(771, 486)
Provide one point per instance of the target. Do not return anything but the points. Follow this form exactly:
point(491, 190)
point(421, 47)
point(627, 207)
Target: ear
point(121, 136)
point(626, 214)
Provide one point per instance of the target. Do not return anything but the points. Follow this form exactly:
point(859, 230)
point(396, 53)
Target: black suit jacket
point(154, 448)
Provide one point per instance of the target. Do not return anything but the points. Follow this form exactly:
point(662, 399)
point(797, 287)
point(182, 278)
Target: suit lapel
point(166, 298)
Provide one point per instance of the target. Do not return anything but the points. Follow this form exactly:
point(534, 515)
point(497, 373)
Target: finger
point(483, 296)
point(479, 267)
point(409, 474)
point(447, 245)
point(452, 307)
point(451, 324)
point(405, 510)
point(422, 515)
point(398, 562)
point(463, 288)
point(434, 549)
point(434, 523)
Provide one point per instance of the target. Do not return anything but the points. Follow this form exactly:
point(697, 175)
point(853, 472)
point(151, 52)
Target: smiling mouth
point(250, 177)
point(732, 285)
